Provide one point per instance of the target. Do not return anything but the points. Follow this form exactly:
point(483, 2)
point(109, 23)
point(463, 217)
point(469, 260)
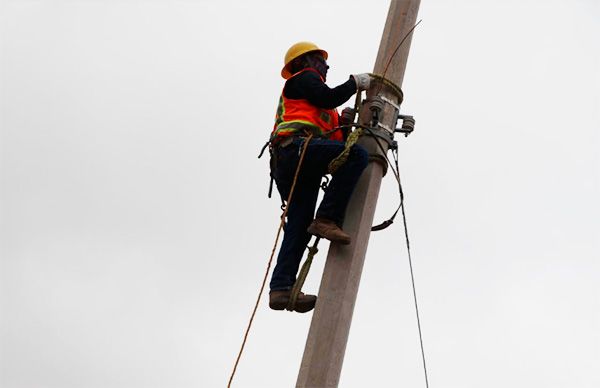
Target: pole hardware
point(390, 102)
point(408, 125)
point(376, 105)
point(386, 135)
point(385, 127)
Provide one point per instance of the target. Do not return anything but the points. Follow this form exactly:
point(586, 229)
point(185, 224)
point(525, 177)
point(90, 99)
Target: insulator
point(408, 124)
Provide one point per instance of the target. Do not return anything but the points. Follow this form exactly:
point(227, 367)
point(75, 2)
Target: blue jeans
point(302, 207)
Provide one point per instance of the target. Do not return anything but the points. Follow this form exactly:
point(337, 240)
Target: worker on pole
point(308, 106)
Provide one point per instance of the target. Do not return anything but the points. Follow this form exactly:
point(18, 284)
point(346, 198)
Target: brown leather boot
point(278, 300)
point(328, 229)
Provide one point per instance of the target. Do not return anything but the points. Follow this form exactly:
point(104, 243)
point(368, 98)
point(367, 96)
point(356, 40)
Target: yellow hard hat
point(297, 50)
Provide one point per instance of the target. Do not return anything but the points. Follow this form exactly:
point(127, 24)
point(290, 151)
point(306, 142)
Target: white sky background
point(135, 228)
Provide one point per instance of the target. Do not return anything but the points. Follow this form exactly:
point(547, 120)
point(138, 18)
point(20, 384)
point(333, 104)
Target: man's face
point(317, 61)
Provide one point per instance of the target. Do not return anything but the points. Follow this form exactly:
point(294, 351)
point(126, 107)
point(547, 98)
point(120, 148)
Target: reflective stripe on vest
point(295, 116)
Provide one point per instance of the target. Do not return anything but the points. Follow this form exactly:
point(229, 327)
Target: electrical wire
point(396, 171)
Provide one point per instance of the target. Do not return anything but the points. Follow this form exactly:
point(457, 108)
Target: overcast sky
point(135, 227)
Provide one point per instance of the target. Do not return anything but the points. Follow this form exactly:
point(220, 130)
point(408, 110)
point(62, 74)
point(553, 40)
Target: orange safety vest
point(296, 116)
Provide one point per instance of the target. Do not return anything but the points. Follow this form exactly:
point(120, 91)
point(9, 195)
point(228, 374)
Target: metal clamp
point(392, 103)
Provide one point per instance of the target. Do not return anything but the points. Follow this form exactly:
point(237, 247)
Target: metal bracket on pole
point(392, 103)
point(387, 128)
point(408, 125)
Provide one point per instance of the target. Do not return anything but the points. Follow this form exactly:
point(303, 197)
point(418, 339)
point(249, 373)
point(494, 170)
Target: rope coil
point(392, 85)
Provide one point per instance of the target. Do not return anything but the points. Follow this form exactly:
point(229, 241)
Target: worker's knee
point(360, 156)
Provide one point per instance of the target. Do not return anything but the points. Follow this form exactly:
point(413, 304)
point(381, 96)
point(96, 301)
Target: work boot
point(328, 229)
point(278, 300)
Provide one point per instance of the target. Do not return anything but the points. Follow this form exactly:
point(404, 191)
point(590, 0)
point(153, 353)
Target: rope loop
point(384, 81)
point(343, 156)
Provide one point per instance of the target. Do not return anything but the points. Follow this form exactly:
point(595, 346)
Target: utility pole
point(328, 335)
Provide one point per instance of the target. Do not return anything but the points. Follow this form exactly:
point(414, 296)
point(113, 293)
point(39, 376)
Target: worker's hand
point(362, 81)
point(347, 116)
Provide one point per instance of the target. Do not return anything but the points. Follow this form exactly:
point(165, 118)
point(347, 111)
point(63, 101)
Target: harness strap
point(312, 251)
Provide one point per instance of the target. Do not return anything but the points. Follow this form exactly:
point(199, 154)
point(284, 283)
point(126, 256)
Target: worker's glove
point(362, 81)
point(347, 116)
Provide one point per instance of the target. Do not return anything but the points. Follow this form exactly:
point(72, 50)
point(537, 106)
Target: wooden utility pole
point(326, 343)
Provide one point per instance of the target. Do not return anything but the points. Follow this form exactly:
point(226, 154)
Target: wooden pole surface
point(330, 326)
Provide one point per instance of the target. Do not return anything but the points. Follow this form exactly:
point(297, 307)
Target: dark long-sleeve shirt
point(308, 86)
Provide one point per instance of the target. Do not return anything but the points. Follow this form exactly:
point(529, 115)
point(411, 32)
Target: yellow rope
point(262, 287)
point(343, 157)
point(388, 83)
point(350, 141)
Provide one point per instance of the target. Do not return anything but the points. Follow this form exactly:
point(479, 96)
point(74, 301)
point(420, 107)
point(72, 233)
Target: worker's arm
point(308, 85)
